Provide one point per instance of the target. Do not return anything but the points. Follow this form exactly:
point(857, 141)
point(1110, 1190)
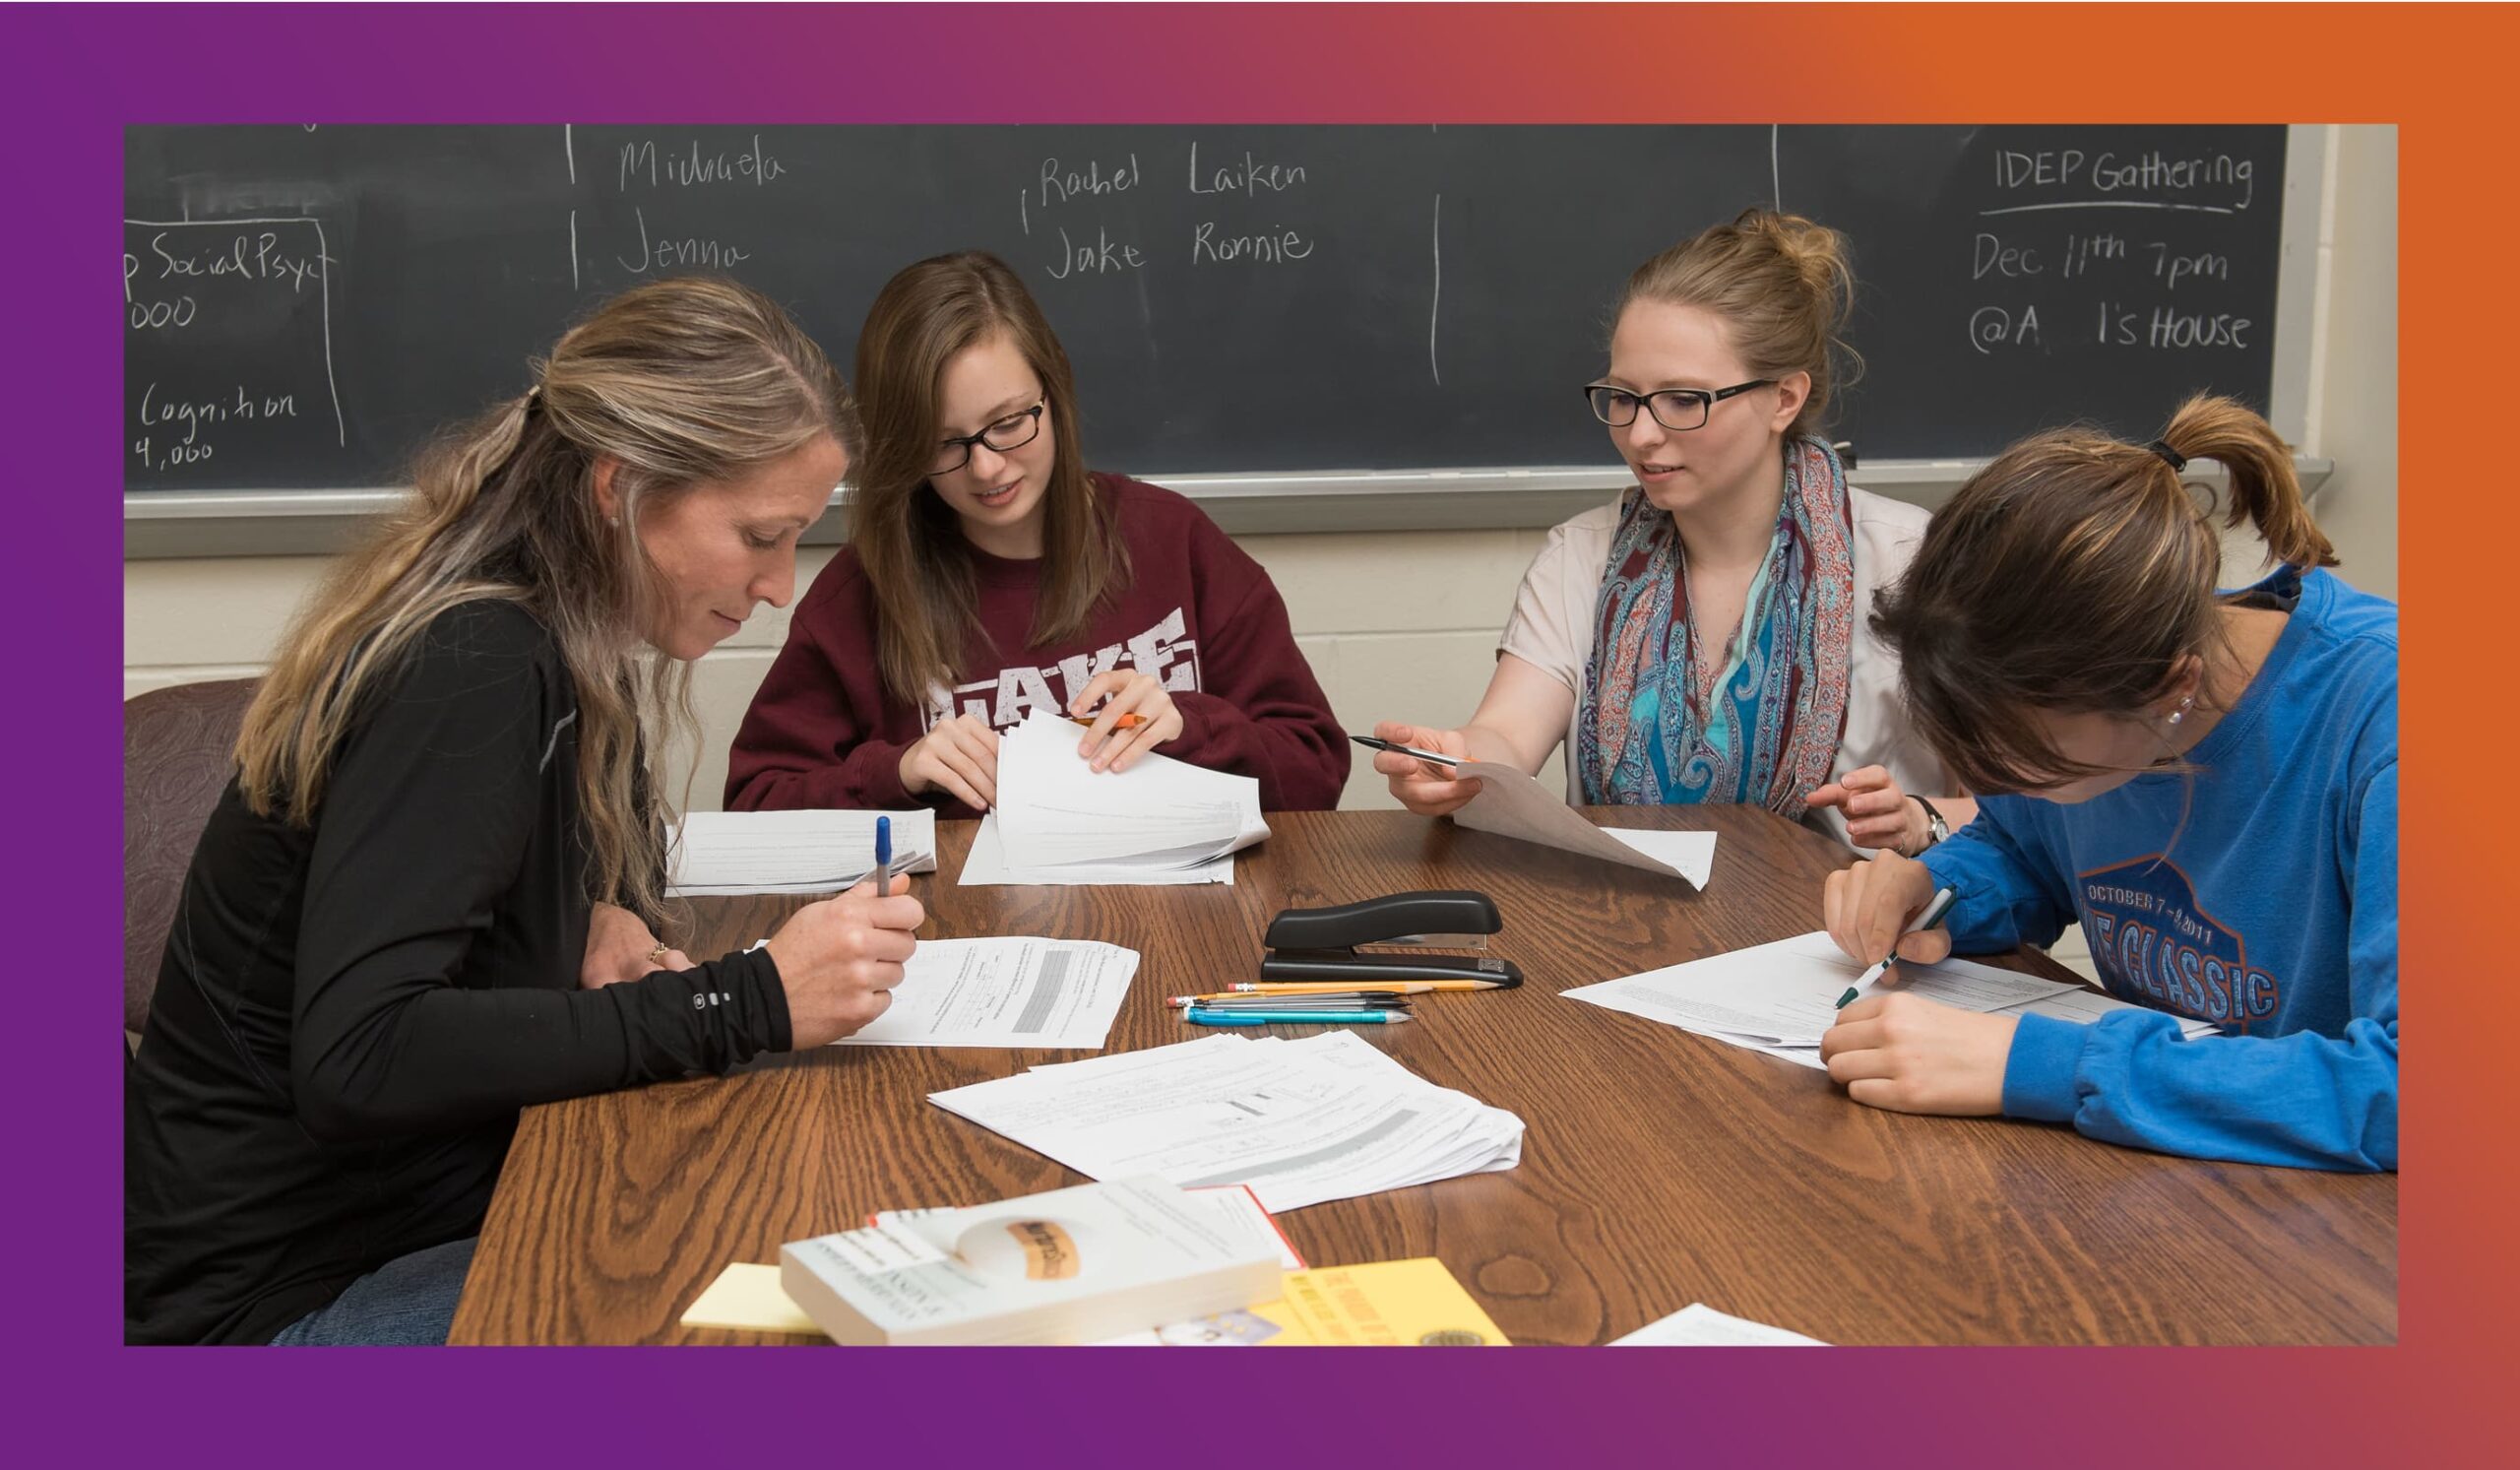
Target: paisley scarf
point(1768, 727)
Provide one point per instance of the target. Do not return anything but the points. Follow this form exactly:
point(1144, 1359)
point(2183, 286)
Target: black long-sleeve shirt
point(348, 1017)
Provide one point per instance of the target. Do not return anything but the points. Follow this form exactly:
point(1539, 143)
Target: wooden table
point(1658, 1168)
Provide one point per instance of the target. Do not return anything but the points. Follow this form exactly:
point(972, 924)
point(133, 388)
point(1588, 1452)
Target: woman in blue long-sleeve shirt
point(2207, 781)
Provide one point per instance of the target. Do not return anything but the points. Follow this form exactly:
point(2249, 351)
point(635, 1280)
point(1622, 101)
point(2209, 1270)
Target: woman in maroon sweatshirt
point(990, 575)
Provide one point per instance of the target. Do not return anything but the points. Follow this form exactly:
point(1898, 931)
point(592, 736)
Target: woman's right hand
point(839, 960)
point(1425, 790)
point(957, 757)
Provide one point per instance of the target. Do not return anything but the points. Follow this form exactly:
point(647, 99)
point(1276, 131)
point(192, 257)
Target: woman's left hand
point(1124, 691)
point(1879, 814)
point(620, 946)
point(1911, 1055)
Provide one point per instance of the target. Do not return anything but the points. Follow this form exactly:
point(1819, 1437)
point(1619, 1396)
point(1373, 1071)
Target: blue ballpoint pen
point(883, 857)
point(1203, 1017)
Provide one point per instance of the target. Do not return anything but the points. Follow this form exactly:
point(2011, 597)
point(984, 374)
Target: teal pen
point(1935, 910)
point(1200, 1016)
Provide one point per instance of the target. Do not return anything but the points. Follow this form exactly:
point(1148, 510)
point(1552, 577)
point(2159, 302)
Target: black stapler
point(1321, 944)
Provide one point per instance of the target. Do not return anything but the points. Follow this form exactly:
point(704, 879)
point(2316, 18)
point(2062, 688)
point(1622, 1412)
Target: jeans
point(407, 1302)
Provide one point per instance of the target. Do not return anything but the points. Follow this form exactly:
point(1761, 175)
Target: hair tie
point(2170, 457)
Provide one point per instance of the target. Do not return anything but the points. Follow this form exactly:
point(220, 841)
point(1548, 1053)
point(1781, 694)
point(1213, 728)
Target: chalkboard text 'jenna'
point(688, 250)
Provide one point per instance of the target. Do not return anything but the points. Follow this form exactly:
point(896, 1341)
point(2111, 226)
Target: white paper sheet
point(1698, 1326)
point(1779, 998)
point(1510, 803)
point(985, 867)
point(2085, 1006)
point(1059, 820)
point(1004, 993)
point(1301, 1121)
point(790, 852)
point(1691, 854)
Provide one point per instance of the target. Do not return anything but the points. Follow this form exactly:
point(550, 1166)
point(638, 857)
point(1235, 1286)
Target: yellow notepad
point(1394, 1303)
point(746, 1298)
point(1389, 1304)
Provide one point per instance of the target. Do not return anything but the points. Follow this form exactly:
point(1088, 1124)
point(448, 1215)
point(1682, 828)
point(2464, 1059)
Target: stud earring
point(2176, 715)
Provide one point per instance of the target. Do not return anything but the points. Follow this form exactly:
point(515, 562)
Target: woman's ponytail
point(2264, 490)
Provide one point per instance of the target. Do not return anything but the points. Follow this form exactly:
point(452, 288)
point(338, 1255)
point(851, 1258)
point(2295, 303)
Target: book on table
point(1071, 1265)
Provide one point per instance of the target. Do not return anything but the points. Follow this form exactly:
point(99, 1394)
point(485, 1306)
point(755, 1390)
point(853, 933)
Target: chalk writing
point(641, 163)
point(1249, 178)
point(687, 250)
point(176, 427)
point(1275, 247)
point(1060, 185)
point(1099, 257)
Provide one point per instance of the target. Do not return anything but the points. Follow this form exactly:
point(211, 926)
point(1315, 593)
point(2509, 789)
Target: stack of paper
point(1059, 820)
point(790, 851)
point(1513, 804)
point(1072, 1265)
point(1301, 1121)
point(1779, 998)
point(1004, 993)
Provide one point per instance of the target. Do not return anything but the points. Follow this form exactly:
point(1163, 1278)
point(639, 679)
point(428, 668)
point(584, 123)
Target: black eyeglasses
point(1677, 408)
point(1013, 431)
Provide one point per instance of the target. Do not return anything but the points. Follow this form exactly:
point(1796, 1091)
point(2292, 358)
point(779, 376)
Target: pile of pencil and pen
point(1290, 1003)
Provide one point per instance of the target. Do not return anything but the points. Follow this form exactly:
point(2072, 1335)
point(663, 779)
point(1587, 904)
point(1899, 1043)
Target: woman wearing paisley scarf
point(1705, 639)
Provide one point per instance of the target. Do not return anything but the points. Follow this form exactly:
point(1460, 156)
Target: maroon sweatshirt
point(1199, 613)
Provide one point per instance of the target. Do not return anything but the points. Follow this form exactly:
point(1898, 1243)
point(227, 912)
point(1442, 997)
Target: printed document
point(790, 851)
point(1301, 1121)
point(1779, 998)
point(1004, 993)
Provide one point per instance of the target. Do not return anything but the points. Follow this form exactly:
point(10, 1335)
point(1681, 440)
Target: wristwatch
point(1937, 829)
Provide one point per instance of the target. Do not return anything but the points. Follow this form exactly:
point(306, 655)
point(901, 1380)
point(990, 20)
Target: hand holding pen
point(838, 959)
point(1877, 911)
point(1131, 713)
point(1425, 787)
point(1930, 918)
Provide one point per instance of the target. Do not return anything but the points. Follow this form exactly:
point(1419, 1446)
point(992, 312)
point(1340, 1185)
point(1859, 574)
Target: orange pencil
point(1125, 721)
point(1245, 990)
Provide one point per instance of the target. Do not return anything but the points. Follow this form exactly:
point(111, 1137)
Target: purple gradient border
point(82, 74)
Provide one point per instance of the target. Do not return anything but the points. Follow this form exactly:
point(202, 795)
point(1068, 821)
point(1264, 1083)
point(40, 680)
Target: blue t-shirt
point(2259, 893)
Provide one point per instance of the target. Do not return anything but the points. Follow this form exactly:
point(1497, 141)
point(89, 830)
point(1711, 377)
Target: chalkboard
point(304, 304)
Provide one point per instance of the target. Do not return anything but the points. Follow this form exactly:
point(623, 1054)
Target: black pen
point(1932, 914)
point(1412, 751)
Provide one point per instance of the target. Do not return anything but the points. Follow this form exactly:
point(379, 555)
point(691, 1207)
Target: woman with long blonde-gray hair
point(430, 896)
